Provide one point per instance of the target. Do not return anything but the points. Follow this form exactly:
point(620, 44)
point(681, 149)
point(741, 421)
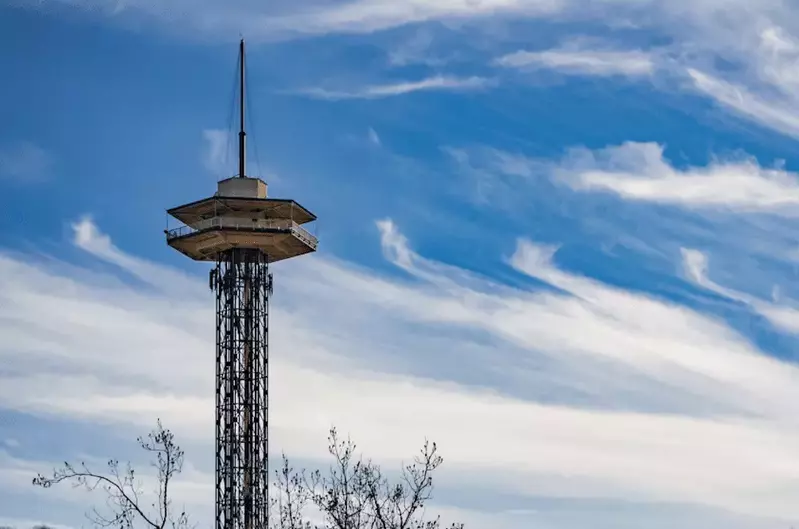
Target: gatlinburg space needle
point(241, 232)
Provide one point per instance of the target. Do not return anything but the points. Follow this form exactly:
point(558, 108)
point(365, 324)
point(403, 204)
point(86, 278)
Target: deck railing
point(233, 223)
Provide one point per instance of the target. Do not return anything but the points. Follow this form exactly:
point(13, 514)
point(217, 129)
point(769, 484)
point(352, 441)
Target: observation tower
point(241, 231)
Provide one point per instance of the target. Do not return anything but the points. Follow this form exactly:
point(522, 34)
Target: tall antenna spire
point(242, 134)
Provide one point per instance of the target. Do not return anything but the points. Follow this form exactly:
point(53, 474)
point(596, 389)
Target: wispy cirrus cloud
point(639, 171)
point(415, 50)
point(783, 314)
point(759, 82)
point(633, 196)
point(374, 138)
point(633, 357)
point(753, 40)
point(436, 83)
point(216, 155)
point(745, 206)
point(580, 59)
point(286, 19)
point(778, 113)
point(219, 157)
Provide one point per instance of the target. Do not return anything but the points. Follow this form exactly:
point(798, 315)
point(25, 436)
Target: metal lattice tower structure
point(241, 232)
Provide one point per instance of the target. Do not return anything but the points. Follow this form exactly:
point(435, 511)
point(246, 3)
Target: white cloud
point(415, 50)
point(374, 139)
point(782, 316)
point(578, 60)
point(109, 353)
point(753, 39)
point(259, 20)
point(779, 53)
point(437, 83)
point(88, 238)
point(25, 162)
point(20, 523)
point(759, 81)
point(639, 171)
point(371, 15)
point(217, 156)
point(777, 113)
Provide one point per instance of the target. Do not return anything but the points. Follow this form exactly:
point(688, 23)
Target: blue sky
point(558, 237)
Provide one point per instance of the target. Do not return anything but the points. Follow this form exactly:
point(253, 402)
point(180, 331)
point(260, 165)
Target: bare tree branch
point(356, 495)
point(292, 498)
point(123, 490)
point(353, 494)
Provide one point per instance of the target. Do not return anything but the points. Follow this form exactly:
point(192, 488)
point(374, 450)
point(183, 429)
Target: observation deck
point(240, 215)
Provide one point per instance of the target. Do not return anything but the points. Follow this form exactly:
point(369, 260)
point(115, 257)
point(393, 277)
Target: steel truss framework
point(243, 284)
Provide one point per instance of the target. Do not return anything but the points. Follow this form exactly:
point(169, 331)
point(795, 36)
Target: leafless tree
point(355, 494)
point(290, 499)
point(124, 490)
